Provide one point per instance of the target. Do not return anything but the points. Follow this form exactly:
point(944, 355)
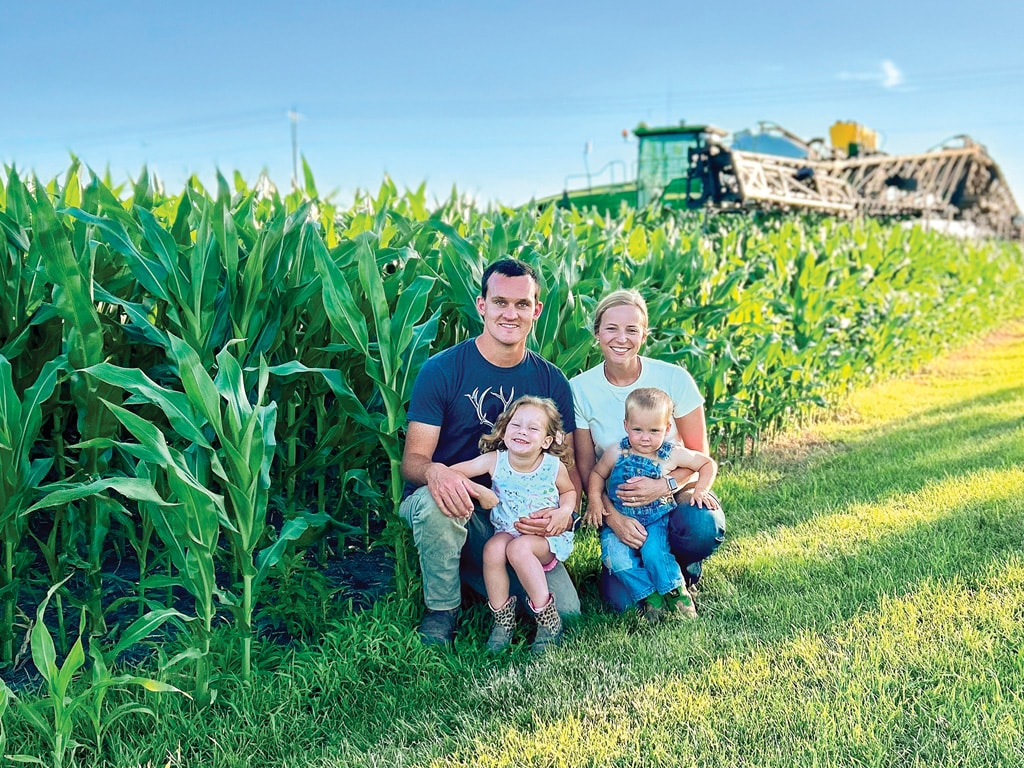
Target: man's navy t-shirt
point(463, 394)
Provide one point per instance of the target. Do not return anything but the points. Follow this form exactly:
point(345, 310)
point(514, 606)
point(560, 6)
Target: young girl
point(522, 455)
point(651, 574)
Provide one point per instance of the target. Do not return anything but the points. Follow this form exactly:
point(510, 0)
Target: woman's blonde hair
point(623, 297)
point(495, 440)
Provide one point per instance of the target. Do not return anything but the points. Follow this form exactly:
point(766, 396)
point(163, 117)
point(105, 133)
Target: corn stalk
point(71, 275)
point(391, 358)
point(20, 473)
point(239, 453)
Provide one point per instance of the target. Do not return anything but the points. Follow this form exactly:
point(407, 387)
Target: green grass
point(867, 609)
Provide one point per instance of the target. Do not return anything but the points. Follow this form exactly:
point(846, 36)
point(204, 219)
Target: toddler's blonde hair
point(650, 399)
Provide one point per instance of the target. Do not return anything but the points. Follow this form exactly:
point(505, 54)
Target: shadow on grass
point(770, 597)
point(923, 448)
point(909, 456)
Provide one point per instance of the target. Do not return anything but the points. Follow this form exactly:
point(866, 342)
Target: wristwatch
point(673, 486)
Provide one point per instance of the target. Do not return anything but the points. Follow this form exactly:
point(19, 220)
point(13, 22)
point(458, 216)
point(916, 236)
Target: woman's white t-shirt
point(600, 405)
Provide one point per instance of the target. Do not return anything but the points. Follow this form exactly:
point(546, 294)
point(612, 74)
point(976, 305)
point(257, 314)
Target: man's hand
point(545, 522)
point(628, 529)
point(537, 523)
point(560, 520)
point(451, 491)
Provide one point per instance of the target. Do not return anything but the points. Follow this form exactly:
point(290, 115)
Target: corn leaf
point(196, 382)
point(177, 406)
point(132, 487)
point(342, 309)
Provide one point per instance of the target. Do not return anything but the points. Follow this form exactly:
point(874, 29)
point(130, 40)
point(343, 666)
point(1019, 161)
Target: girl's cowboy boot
point(504, 625)
point(549, 626)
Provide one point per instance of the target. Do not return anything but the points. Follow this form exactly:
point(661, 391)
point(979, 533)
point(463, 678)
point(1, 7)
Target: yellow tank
point(853, 138)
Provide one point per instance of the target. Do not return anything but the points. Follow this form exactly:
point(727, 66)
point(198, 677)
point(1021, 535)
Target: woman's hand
point(637, 491)
point(628, 529)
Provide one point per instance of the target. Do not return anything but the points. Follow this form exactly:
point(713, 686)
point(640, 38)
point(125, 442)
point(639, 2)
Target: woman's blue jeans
point(694, 533)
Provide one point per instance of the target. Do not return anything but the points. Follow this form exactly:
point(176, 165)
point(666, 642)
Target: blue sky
point(497, 99)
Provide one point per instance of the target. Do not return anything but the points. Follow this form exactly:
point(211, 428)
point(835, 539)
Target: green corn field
point(203, 384)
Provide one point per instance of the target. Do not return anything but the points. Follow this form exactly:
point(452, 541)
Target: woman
point(620, 327)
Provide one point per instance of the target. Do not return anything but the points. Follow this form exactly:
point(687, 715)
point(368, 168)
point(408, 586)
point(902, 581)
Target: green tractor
point(689, 167)
point(669, 169)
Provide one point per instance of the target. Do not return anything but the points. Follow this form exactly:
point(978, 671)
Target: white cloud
point(888, 76)
point(892, 75)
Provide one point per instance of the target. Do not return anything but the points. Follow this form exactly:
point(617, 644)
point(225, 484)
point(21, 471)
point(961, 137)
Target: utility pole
point(587, 149)
point(294, 116)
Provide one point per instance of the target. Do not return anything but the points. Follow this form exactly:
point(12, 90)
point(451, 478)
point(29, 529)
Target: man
point(457, 397)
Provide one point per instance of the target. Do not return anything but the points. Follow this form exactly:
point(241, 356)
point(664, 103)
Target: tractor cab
point(670, 164)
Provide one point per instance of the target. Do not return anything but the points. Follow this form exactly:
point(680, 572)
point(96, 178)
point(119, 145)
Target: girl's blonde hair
point(623, 297)
point(652, 400)
point(495, 440)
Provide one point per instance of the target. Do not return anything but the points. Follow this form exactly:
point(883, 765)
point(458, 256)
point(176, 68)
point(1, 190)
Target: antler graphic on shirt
point(505, 401)
point(477, 399)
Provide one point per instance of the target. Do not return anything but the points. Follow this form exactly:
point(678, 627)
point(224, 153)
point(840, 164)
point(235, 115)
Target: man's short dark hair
point(509, 268)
